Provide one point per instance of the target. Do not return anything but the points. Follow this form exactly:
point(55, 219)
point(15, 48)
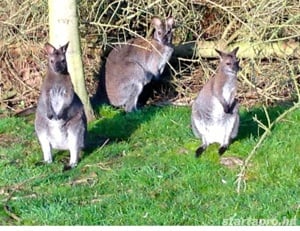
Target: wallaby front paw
point(50, 116)
point(227, 109)
point(59, 116)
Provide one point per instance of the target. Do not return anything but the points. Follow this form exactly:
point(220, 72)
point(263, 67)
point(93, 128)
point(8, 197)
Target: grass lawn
point(140, 169)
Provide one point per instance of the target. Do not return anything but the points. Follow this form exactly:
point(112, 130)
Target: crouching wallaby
point(131, 66)
point(60, 121)
point(215, 117)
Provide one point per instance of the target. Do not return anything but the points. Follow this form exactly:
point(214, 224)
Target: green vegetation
point(140, 169)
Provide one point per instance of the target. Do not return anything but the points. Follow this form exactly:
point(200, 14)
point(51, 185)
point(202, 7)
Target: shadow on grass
point(249, 127)
point(116, 128)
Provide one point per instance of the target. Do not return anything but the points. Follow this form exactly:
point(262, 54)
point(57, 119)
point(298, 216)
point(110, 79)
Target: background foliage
point(24, 31)
point(130, 173)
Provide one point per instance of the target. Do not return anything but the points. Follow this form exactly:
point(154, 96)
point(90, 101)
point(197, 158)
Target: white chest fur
point(57, 95)
point(229, 87)
point(164, 58)
point(58, 136)
point(227, 92)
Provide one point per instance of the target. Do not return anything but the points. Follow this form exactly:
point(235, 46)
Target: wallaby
point(60, 121)
point(215, 117)
point(129, 67)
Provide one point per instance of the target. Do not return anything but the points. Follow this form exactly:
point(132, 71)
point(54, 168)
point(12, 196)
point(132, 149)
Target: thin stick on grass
point(14, 189)
point(241, 176)
point(11, 214)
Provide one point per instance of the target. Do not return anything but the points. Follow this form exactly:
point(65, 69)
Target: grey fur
point(215, 115)
point(131, 66)
point(60, 121)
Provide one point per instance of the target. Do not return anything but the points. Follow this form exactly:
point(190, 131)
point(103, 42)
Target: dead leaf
point(231, 161)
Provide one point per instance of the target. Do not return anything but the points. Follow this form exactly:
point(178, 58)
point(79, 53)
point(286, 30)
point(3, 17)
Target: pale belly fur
point(219, 128)
point(58, 135)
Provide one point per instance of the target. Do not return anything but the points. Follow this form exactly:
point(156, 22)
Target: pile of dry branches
point(265, 78)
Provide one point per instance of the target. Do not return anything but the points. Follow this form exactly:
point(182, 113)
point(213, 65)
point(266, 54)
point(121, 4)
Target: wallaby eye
point(228, 63)
point(63, 60)
point(159, 33)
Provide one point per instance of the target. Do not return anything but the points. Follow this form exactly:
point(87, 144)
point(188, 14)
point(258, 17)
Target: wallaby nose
point(237, 66)
point(59, 67)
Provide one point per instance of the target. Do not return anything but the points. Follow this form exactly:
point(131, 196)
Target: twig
point(10, 214)
point(105, 142)
point(16, 76)
point(15, 188)
point(231, 13)
point(241, 176)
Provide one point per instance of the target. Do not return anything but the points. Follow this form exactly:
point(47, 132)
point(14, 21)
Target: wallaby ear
point(235, 50)
point(170, 22)
point(156, 22)
point(220, 53)
point(49, 48)
point(64, 48)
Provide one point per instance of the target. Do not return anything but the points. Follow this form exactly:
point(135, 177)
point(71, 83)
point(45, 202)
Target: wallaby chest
point(58, 134)
point(165, 58)
point(57, 98)
point(228, 90)
point(60, 92)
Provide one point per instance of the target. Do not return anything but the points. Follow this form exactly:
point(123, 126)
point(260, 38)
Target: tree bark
point(63, 26)
point(252, 50)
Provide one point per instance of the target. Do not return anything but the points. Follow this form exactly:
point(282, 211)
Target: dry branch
point(240, 181)
point(206, 49)
point(219, 24)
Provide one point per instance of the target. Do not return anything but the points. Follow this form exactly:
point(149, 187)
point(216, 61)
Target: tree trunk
point(63, 26)
point(206, 49)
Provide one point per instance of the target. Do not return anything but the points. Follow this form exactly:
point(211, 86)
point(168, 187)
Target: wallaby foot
point(40, 163)
point(200, 150)
point(67, 167)
point(70, 166)
point(130, 105)
point(222, 149)
point(130, 108)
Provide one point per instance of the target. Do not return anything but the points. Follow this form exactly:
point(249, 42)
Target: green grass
point(140, 169)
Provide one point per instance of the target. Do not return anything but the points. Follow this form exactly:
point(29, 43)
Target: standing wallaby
point(60, 121)
point(131, 66)
point(215, 115)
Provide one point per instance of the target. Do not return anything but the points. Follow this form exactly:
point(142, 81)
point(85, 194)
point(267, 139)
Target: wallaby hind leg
point(230, 133)
point(74, 149)
point(235, 128)
point(131, 103)
point(46, 147)
point(200, 150)
point(222, 149)
point(74, 154)
point(224, 145)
